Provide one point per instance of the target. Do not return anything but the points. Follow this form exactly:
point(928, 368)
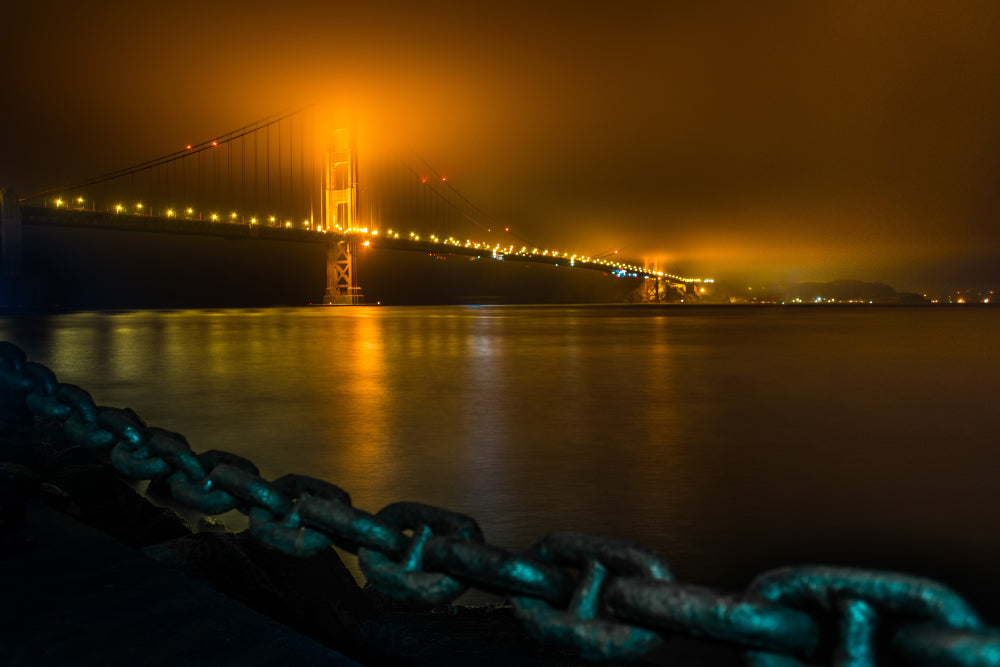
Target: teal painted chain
point(604, 598)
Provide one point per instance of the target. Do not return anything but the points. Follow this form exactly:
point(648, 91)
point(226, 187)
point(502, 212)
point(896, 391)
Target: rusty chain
point(604, 598)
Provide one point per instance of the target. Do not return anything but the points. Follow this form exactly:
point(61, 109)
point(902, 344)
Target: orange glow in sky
point(798, 141)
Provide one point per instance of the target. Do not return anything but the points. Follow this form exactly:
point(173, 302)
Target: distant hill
point(841, 290)
point(810, 292)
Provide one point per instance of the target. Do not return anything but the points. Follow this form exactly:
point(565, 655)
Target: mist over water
point(731, 439)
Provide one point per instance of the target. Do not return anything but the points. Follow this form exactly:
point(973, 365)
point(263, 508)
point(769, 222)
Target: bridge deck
point(34, 215)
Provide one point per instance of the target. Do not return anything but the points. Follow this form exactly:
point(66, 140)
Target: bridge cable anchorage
point(607, 599)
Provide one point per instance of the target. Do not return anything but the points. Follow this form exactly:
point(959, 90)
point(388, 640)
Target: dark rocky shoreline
point(315, 596)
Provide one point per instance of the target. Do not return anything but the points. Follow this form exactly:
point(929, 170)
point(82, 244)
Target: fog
point(772, 141)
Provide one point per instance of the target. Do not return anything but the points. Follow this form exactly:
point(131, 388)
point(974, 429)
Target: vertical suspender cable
point(302, 159)
point(280, 203)
point(256, 200)
point(313, 184)
point(268, 159)
point(243, 177)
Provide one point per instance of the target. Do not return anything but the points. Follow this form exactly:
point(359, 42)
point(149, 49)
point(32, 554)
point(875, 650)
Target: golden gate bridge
point(298, 177)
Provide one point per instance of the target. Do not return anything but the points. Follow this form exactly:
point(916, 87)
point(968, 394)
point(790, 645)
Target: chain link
point(586, 624)
point(402, 575)
point(606, 598)
point(858, 597)
point(201, 492)
point(745, 621)
point(286, 530)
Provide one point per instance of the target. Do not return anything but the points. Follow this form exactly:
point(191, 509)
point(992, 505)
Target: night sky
point(763, 141)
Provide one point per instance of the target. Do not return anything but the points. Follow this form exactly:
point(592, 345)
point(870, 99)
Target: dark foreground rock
point(318, 597)
point(315, 596)
point(109, 503)
point(39, 461)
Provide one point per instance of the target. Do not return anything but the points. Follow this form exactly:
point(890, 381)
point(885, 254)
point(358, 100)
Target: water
point(731, 439)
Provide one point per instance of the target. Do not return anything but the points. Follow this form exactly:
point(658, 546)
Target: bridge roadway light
point(170, 213)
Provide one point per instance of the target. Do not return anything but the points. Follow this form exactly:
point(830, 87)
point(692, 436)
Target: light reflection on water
point(730, 439)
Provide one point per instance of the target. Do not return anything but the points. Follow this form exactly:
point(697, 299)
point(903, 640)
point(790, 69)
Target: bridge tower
point(658, 289)
point(340, 213)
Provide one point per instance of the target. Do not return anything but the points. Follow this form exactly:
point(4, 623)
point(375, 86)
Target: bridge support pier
point(15, 290)
point(651, 290)
point(341, 268)
point(10, 235)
